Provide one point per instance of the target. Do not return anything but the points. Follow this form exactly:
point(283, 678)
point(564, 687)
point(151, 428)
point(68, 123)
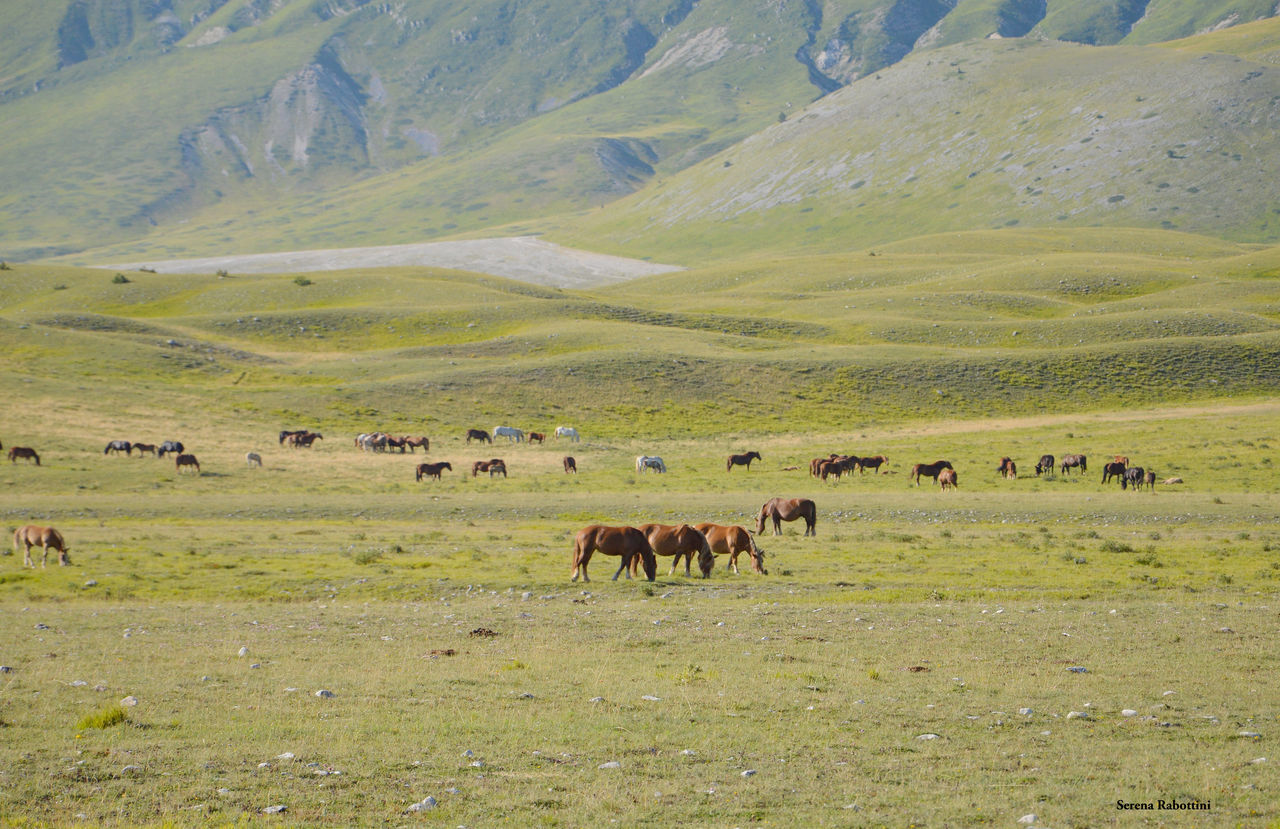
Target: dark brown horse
point(535, 437)
point(182, 462)
point(145, 448)
point(744, 459)
point(678, 540)
point(431, 470)
point(478, 434)
point(304, 440)
point(1113, 470)
point(285, 434)
point(16, 452)
point(947, 479)
point(625, 542)
point(414, 443)
point(1045, 465)
point(1007, 468)
point(732, 541)
point(43, 537)
point(492, 466)
point(815, 465)
point(873, 463)
point(570, 465)
point(1074, 462)
point(929, 470)
point(1135, 476)
point(788, 509)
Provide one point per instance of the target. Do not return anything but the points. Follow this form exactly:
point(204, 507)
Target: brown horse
point(732, 541)
point(676, 541)
point(431, 470)
point(570, 465)
point(478, 434)
point(815, 465)
point(285, 434)
point(145, 448)
point(873, 463)
point(1008, 468)
point(929, 470)
point(493, 467)
point(304, 440)
point(16, 452)
point(44, 537)
point(626, 542)
point(1074, 461)
point(182, 462)
point(947, 479)
point(414, 443)
point(788, 509)
point(744, 459)
point(1124, 459)
point(535, 437)
point(839, 466)
point(1113, 470)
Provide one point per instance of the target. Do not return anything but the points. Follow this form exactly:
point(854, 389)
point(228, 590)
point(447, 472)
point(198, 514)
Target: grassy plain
point(913, 613)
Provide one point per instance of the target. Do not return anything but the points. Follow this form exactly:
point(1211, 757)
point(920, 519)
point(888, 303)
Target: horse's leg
point(626, 561)
point(733, 561)
point(44, 562)
point(26, 557)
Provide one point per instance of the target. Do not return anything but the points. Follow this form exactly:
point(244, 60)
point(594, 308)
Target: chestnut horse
point(676, 541)
point(493, 467)
point(16, 452)
point(788, 509)
point(431, 470)
point(744, 459)
point(570, 465)
point(44, 537)
point(145, 448)
point(183, 461)
point(732, 541)
point(478, 434)
point(626, 542)
point(947, 479)
point(1008, 468)
point(414, 443)
point(930, 470)
point(815, 465)
point(536, 437)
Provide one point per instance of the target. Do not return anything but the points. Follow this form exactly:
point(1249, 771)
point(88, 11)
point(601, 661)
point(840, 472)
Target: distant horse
point(1113, 470)
point(373, 441)
point(173, 446)
point(1045, 465)
point(1150, 480)
point(537, 437)
point(1168, 482)
point(511, 433)
point(1007, 468)
point(286, 433)
point(43, 537)
point(186, 461)
point(145, 448)
point(815, 465)
point(493, 467)
point(252, 459)
point(16, 452)
point(1073, 461)
point(930, 470)
point(567, 432)
point(744, 459)
point(873, 463)
point(478, 434)
point(947, 479)
point(839, 466)
point(732, 541)
point(414, 443)
point(397, 443)
point(1134, 477)
point(304, 440)
point(570, 465)
point(676, 541)
point(119, 446)
point(788, 509)
point(1122, 459)
point(626, 542)
point(431, 470)
point(647, 462)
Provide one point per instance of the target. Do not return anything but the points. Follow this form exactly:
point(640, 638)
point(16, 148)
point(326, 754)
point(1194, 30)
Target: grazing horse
point(930, 470)
point(303, 440)
point(119, 446)
point(184, 461)
point(732, 541)
point(1113, 470)
point(874, 463)
point(511, 433)
point(492, 466)
point(285, 434)
point(537, 437)
point(570, 465)
point(431, 470)
point(947, 479)
point(174, 446)
point(145, 448)
point(43, 537)
point(1134, 477)
point(16, 452)
point(567, 432)
point(744, 459)
point(1072, 461)
point(252, 459)
point(676, 541)
point(478, 434)
point(626, 542)
point(1045, 465)
point(647, 462)
point(788, 509)
point(1007, 468)
point(414, 443)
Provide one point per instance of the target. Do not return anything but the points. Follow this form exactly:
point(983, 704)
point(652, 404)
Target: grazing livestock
point(145, 449)
point(838, 466)
point(1150, 480)
point(788, 509)
point(252, 459)
point(646, 462)
point(171, 446)
point(511, 433)
point(744, 459)
point(119, 446)
point(414, 443)
point(537, 437)
point(947, 479)
point(478, 434)
point(1134, 477)
point(873, 463)
point(43, 537)
point(570, 465)
point(285, 434)
point(492, 466)
point(304, 440)
point(815, 465)
point(1045, 465)
point(732, 541)
point(431, 470)
point(1008, 469)
point(1113, 470)
point(186, 462)
point(929, 470)
point(625, 542)
point(373, 441)
point(567, 432)
point(1123, 459)
point(1074, 461)
point(16, 452)
point(676, 541)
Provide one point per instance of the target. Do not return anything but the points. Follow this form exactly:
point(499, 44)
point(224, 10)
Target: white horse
point(509, 432)
point(646, 462)
point(568, 432)
point(253, 459)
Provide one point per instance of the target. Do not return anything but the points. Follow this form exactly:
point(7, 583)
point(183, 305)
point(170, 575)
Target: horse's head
point(764, 513)
point(650, 562)
point(706, 561)
point(757, 560)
